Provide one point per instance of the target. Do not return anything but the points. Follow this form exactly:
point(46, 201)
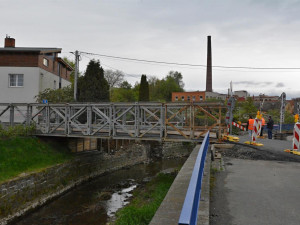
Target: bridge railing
point(139, 120)
point(190, 207)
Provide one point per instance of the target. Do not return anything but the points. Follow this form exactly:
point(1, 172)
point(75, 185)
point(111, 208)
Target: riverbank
point(23, 194)
point(22, 155)
point(87, 203)
point(146, 200)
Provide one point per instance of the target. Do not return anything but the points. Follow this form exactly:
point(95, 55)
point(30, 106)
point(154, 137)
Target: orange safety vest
point(263, 122)
point(251, 122)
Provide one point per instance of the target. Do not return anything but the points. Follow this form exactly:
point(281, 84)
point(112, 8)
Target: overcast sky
point(247, 33)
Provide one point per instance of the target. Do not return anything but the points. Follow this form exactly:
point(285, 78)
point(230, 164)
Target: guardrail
point(190, 207)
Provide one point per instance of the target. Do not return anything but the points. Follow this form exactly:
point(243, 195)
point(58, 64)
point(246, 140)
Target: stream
point(97, 201)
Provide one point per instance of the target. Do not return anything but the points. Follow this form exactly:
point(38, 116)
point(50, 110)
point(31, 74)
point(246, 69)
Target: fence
point(190, 207)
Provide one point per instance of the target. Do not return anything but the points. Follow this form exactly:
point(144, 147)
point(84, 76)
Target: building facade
point(24, 72)
point(194, 96)
point(215, 95)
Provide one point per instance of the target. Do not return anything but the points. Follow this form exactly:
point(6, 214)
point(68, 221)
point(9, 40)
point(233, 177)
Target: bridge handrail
point(190, 207)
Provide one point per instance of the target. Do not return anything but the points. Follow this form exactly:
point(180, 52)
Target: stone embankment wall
point(29, 191)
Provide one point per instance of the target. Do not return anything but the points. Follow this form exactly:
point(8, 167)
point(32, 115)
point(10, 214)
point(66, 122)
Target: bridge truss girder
point(140, 120)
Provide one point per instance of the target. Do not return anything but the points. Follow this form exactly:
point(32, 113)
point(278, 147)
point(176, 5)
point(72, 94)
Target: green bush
point(18, 130)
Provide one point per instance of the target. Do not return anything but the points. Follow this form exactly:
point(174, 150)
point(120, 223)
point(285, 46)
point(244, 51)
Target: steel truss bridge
point(139, 121)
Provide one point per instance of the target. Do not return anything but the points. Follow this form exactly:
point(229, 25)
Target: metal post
point(28, 114)
point(220, 121)
point(89, 119)
point(76, 75)
point(193, 120)
point(11, 115)
point(162, 121)
point(282, 109)
point(47, 118)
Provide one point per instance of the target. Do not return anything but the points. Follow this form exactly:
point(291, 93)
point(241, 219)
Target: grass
point(27, 154)
point(145, 201)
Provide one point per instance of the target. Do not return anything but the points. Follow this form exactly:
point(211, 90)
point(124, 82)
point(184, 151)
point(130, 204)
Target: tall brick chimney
point(208, 66)
point(9, 42)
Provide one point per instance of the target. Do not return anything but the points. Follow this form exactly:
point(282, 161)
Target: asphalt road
point(270, 144)
point(251, 191)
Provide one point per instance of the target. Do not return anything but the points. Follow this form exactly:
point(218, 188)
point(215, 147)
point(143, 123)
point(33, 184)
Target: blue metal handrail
point(190, 207)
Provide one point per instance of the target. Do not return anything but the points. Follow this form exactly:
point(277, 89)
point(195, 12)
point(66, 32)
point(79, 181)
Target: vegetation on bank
point(26, 154)
point(146, 201)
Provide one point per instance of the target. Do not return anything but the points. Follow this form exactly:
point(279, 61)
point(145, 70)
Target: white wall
point(47, 80)
point(23, 94)
point(241, 94)
point(209, 95)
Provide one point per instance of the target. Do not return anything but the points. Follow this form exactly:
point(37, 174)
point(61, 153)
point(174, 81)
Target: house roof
point(65, 63)
point(29, 49)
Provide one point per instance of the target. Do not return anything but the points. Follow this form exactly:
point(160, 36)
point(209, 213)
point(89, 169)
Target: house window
point(182, 98)
point(46, 62)
point(188, 98)
point(201, 98)
point(54, 85)
point(194, 98)
point(176, 98)
point(16, 80)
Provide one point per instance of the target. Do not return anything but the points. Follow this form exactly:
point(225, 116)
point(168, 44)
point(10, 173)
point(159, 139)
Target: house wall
point(53, 66)
point(23, 94)
point(19, 59)
point(47, 80)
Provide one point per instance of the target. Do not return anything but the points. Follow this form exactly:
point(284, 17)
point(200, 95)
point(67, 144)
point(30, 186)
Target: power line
point(193, 65)
point(126, 74)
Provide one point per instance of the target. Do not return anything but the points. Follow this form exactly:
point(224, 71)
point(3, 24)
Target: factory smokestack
point(208, 66)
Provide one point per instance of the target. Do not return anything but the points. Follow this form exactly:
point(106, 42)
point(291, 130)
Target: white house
point(26, 71)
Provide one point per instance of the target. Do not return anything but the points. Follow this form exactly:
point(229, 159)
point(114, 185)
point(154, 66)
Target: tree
point(144, 89)
point(161, 90)
point(114, 78)
point(72, 75)
point(93, 87)
point(64, 94)
point(124, 93)
point(177, 76)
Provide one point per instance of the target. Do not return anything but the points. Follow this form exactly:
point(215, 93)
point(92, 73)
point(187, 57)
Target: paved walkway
point(261, 192)
point(258, 191)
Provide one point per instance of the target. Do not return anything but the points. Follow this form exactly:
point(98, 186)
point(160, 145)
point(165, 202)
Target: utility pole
point(282, 109)
point(76, 74)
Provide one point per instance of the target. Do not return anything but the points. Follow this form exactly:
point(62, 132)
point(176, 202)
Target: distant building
point(197, 96)
point(26, 71)
point(215, 95)
point(241, 94)
point(266, 98)
point(193, 96)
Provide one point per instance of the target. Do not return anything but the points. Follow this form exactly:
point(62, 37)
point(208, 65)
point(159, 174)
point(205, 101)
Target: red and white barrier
point(255, 132)
point(239, 126)
point(296, 137)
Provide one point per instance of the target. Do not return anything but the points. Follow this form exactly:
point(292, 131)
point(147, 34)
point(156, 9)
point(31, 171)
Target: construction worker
point(270, 127)
point(250, 124)
point(263, 123)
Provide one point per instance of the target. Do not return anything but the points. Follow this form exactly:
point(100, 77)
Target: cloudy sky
point(247, 33)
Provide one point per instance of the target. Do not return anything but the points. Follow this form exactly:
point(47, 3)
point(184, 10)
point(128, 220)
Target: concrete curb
point(169, 211)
